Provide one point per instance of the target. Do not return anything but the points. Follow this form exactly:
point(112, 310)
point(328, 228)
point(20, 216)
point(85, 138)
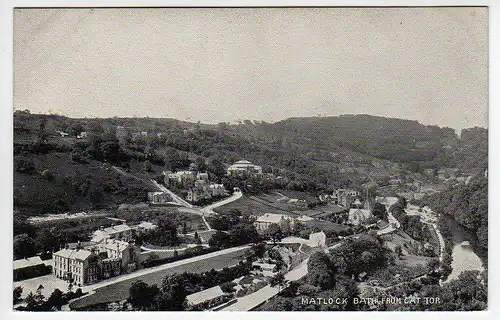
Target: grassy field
point(119, 291)
point(413, 261)
point(401, 238)
point(250, 206)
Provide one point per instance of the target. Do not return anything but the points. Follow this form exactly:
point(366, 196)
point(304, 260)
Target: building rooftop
point(146, 225)
point(271, 218)
point(118, 228)
point(188, 172)
point(264, 265)
point(27, 262)
point(81, 254)
point(99, 235)
point(243, 162)
point(113, 244)
point(205, 295)
point(303, 218)
point(155, 193)
point(74, 245)
point(357, 203)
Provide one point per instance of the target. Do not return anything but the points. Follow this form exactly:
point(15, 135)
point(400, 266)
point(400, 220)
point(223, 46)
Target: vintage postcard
point(250, 159)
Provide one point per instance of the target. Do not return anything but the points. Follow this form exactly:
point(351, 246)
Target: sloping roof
point(115, 244)
point(264, 265)
point(243, 162)
point(205, 295)
point(81, 254)
point(146, 225)
point(118, 228)
point(271, 218)
point(185, 172)
point(303, 218)
point(28, 262)
point(83, 244)
point(99, 236)
point(357, 202)
point(216, 185)
point(155, 193)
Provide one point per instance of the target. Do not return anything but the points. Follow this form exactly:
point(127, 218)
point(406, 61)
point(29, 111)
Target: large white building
point(243, 167)
point(263, 222)
point(79, 265)
point(94, 262)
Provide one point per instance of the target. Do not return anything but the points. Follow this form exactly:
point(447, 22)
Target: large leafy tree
point(354, 256)
point(321, 271)
point(172, 294)
point(141, 295)
point(56, 299)
point(274, 232)
point(379, 211)
point(24, 246)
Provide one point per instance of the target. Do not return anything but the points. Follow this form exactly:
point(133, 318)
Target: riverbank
point(466, 253)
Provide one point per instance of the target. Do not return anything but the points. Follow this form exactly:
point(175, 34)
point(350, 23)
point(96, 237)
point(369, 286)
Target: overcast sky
point(218, 65)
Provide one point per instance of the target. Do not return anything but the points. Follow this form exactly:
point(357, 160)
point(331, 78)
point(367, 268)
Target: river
point(464, 258)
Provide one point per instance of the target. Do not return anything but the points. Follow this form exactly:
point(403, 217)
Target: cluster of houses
point(359, 212)
point(109, 253)
point(123, 133)
point(342, 197)
point(198, 185)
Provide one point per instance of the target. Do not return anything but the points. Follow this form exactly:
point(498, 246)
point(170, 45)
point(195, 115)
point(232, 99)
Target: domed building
point(243, 167)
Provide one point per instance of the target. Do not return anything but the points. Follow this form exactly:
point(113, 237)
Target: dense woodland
point(397, 140)
point(307, 154)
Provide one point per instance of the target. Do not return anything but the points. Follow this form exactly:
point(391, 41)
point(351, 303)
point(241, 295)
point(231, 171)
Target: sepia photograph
point(250, 159)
